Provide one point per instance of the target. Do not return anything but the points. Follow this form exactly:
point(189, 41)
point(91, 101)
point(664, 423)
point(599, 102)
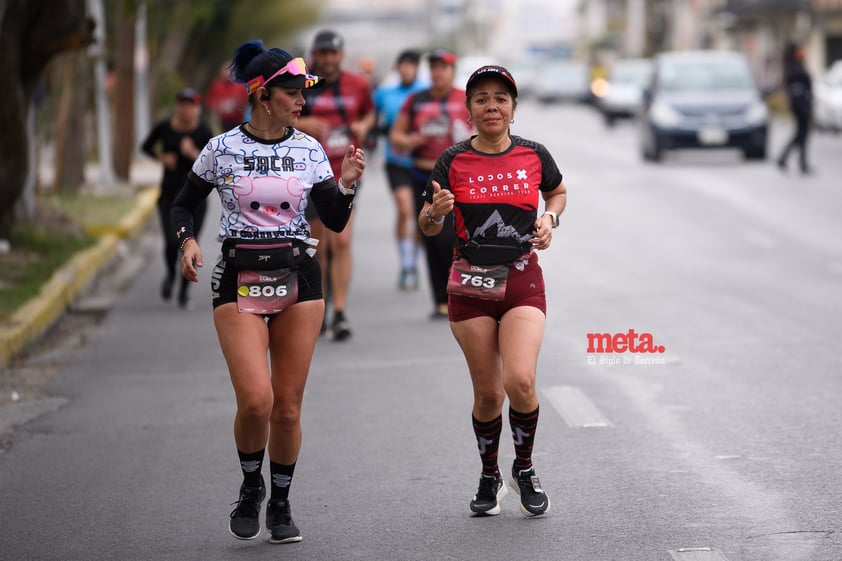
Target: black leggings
point(438, 249)
point(799, 138)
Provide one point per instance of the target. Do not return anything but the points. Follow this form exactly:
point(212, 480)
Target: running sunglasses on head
point(295, 67)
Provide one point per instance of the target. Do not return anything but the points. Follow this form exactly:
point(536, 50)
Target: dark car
point(703, 99)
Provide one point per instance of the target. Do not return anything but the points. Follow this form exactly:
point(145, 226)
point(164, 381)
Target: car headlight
point(663, 115)
point(757, 113)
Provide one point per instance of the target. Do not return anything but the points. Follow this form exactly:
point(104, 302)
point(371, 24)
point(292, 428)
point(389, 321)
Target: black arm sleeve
point(148, 146)
point(194, 191)
point(333, 207)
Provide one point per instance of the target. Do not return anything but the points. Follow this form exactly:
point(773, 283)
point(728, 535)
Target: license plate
point(712, 136)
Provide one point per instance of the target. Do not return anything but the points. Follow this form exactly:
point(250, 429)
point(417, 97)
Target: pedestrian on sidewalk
point(266, 286)
point(175, 142)
point(428, 123)
point(388, 100)
point(338, 114)
point(497, 304)
point(799, 91)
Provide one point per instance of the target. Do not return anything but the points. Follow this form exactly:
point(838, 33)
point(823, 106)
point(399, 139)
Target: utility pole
point(103, 112)
point(142, 120)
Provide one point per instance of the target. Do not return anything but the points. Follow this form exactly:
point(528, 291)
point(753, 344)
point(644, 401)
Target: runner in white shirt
point(267, 293)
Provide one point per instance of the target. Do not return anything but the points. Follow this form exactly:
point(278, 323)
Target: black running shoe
point(279, 522)
point(487, 500)
point(341, 329)
point(166, 287)
point(533, 500)
point(245, 518)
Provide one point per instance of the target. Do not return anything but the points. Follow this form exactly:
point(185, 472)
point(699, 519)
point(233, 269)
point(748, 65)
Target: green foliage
point(211, 30)
point(35, 256)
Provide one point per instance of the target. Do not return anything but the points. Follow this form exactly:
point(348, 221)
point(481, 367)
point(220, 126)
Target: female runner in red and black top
point(497, 303)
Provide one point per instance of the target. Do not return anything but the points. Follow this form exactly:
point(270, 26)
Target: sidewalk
point(37, 315)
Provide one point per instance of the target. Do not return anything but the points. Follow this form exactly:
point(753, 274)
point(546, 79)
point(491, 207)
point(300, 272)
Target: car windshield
point(634, 74)
point(709, 75)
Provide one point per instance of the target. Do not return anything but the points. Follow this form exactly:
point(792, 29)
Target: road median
point(39, 313)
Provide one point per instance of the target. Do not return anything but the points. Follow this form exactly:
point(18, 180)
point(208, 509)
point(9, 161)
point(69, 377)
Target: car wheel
point(657, 150)
point(756, 154)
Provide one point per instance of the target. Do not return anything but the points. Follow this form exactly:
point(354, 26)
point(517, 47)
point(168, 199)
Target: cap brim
point(507, 81)
point(303, 82)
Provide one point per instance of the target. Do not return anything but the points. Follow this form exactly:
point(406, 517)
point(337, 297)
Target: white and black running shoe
point(279, 522)
point(533, 500)
point(487, 500)
point(341, 330)
point(245, 518)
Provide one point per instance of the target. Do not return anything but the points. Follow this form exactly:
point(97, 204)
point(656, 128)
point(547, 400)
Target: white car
point(623, 95)
point(827, 99)
point(563, 80)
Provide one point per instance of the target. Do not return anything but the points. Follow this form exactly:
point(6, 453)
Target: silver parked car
point(827, 99)
point(563, 81)
point(623, 95)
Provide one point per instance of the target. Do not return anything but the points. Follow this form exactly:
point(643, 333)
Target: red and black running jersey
point(341, 103)
point(496, 194)
point(442, 121)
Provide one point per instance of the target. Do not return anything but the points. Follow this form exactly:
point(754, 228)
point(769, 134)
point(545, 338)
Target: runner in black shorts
point(497, 304)
point(388, 100)
point(429, 122)
point(224, 282)
point(267, 286)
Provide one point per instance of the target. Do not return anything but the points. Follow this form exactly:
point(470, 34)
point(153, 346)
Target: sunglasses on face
point(295, 67)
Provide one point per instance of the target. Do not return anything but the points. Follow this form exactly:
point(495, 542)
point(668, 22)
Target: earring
point(512, 122)
point(268, 111)
point(470, 122)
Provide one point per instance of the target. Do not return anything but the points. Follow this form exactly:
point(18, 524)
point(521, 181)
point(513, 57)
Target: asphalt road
point(724, 446)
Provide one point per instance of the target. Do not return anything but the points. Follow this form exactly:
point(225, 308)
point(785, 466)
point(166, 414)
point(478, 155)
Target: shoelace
point(247, 503)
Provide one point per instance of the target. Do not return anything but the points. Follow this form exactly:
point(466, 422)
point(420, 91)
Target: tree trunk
point(124, 89)
point(31, 33)
point(70, 125)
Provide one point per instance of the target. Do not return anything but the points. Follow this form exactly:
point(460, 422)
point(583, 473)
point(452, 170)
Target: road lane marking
point(697, 554)
point(575, 408)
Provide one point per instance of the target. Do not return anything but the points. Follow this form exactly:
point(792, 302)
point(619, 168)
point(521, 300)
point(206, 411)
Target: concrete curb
point(39, 313)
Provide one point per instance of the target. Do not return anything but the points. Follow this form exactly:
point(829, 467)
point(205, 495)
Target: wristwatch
point(430, 217)
point(554, 216)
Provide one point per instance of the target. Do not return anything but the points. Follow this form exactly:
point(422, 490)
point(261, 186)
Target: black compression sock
point(523, 433)
point(251, 464)
point(488, 442)
point(281, 479)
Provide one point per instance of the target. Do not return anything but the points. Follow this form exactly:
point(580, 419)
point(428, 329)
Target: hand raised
point(353, 165)
point(443, 201)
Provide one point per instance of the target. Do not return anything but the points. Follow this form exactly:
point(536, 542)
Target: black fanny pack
point(264, 255)
point(493, 251)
